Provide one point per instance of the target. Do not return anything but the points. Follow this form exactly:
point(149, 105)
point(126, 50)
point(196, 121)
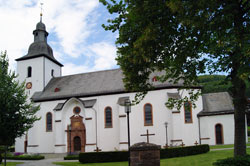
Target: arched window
point(219, 134)
point(52, 73)
point(188, 112)
point(49, 121)
point(108, 117)
point(148, 115)
point(29, 72)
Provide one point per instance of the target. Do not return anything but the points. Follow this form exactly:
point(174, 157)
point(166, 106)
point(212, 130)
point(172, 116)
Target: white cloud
point(70, 25)
point(105, 55)
point(70, 68)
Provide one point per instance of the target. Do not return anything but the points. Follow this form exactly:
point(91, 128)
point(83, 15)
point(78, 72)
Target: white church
point(85, 112)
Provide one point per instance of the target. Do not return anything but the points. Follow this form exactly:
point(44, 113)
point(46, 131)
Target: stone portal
point(76, 135)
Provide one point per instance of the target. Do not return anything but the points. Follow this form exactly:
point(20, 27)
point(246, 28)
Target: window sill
point(148, 124)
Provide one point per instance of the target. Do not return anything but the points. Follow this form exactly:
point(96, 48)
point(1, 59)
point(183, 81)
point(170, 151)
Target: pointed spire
point(41, 13)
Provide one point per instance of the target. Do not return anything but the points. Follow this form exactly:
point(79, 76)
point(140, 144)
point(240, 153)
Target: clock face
point(29, 85)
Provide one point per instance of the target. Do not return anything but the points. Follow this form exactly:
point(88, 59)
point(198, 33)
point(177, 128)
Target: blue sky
point(75, 33)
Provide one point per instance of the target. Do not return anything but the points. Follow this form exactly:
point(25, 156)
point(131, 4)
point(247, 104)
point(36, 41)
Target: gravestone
point(145, 154)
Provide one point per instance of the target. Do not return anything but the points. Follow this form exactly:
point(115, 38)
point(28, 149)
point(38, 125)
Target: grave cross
point(97, 150)
point(147, 135)
point(182, 144)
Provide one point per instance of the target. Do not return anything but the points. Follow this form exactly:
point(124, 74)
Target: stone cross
point(147, 135)
point(97, 150)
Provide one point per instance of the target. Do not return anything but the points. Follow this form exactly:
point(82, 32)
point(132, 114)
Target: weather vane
point(41, 14)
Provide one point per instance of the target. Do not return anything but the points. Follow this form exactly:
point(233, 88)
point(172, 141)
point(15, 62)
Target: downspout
point(199, 130)
point(95, 126)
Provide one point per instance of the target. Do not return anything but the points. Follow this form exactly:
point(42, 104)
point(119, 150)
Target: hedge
point(71, 157)
point(184, 151)
point(24, 157)
point(99, 157)
point(1, 158)
point(234, 161)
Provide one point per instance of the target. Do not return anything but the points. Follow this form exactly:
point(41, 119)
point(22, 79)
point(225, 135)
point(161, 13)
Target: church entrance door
point(77, 144)
point(219, 134)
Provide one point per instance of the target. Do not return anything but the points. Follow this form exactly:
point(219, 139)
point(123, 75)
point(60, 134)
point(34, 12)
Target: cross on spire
point(41, 13)
point(147, 135)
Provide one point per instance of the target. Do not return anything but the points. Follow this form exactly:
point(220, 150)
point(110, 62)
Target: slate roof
point(90, 84)
point(40, 47)
point(216, 104)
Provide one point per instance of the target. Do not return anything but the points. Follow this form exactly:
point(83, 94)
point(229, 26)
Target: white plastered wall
point(207, 128)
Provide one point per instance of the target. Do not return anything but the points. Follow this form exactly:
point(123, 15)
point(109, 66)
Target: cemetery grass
point(196, 160)
point(11, 163)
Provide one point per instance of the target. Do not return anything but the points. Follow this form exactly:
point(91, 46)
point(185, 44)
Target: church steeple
point(40, 33)
point(40, 47)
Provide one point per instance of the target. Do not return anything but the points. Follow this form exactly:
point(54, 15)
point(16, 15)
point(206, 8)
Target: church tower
point(39, 65)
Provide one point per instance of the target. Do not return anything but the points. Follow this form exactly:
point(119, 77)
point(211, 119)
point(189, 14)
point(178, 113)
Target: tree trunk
point(239, 101)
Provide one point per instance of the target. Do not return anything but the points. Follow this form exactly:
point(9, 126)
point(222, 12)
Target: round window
point(77, 110)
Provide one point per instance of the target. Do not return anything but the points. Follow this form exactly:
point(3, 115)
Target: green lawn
point(202, 159)
point(11, 163)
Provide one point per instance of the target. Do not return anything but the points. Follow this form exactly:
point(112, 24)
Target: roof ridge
point(99, 71)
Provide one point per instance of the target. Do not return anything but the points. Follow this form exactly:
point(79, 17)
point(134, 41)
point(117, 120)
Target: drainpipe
point(199, 130)
point(95, 126)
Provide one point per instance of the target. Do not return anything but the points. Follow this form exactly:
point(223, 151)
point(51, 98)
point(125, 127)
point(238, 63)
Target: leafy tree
point(185, 38)
point(16, 114)
point(218, 83)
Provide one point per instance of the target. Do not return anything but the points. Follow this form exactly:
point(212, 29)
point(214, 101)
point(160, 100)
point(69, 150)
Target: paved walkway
point(45, 162)
point(49, 159)
point(224, 149)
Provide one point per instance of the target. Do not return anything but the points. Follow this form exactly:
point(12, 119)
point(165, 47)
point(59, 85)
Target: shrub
point(18, 153)
point(99, 157)
point(234, 161)
point(94, 157)
point(71, 157)
point(1, 158)
point(248, 132)
point(184, 151)
point(24, 157)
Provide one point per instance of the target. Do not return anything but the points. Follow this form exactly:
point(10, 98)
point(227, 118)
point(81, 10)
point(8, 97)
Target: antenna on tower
point(41, 14)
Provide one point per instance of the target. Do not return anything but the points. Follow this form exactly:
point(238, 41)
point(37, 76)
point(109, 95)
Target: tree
point(16, 114)
point(218, 83)
point(185, 38)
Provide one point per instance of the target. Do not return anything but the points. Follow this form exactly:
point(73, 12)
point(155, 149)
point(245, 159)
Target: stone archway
point(77, 135)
